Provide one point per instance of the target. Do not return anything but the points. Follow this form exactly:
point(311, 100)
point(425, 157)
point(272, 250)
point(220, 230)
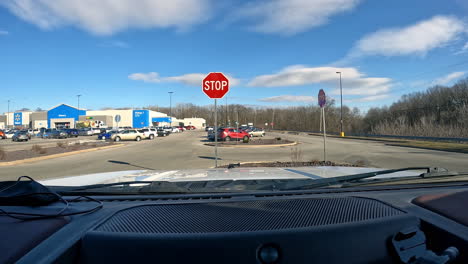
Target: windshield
point(98, 92)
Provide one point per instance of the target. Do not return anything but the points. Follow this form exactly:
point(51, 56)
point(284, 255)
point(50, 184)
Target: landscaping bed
point(40, 151)
point(255, 142)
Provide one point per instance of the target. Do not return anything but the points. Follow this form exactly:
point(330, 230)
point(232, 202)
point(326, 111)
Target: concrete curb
point(253, 146)
point(30, 160)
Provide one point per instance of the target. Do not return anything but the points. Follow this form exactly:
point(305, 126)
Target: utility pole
point(273, 120)
point(227, 113)
point(8, 113)
point(341, 116)
point(78, 96)
point(170, 103)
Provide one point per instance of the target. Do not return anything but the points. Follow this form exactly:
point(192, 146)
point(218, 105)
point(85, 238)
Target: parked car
point(228, 134)
point(181, 128)
point(150, 133)
point(162, 132)
point(175, 130)
point(21, 136)
point(10, 134)
point(71, 132)
point(209, 128)
point(85, 132)
point(107, 135)
point(55, 134)
point(128, 134)
point(2, 134)
point(256, 132)
point(190, 127)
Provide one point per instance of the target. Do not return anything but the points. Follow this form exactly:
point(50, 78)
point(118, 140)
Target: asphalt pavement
point(187, 151)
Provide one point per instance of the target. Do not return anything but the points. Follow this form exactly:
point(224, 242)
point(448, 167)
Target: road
point(187, 151)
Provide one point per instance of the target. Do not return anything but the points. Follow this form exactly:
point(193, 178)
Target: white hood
point(219, 174)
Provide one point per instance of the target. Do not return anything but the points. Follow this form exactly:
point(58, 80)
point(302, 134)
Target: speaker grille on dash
point(246, 216)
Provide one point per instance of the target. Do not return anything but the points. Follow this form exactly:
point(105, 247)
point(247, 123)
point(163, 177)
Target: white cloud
point(354, 82)
point(105, 17)
point(289, 98)
point(151, 77)
point(193, 79)
point(4, 32)
point(414, 39)
point(289, 17)
point(115, 44)
point(448, 78)
point(464, 49)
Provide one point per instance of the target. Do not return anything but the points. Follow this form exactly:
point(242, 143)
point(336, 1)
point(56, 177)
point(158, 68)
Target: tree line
point(440, 111)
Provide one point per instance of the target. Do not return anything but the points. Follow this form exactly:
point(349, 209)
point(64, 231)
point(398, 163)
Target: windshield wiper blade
point(348, 178)
point(129, 186)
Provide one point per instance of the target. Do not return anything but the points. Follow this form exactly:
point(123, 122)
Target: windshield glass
point(258, 90)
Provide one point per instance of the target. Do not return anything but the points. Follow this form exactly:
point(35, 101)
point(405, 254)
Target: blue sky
point(277, 52)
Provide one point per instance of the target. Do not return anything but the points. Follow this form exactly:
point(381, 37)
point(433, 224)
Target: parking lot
point(187, 150)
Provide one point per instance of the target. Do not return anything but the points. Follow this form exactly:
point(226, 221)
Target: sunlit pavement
point(187, 151)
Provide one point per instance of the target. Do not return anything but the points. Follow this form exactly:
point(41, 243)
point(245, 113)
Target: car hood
point(261, 173)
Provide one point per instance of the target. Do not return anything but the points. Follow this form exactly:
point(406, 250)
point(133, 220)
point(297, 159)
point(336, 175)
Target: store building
point(67, 116)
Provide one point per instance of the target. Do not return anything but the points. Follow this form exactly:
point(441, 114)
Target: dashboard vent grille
point(246, 215)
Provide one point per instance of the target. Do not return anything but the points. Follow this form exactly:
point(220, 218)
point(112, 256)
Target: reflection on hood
point(218, 174)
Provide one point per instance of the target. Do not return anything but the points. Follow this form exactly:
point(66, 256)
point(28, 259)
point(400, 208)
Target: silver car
point(21, 136)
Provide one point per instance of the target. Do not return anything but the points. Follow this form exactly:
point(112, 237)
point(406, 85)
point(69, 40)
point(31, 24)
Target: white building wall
point(199, 123)
point(126, 116)
point(2, 125)
point(40, 124)
point(25, 118)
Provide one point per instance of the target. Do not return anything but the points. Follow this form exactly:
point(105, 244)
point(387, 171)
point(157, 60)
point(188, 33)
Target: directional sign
point(215, 85)
point(322, 99)
point(118, 118)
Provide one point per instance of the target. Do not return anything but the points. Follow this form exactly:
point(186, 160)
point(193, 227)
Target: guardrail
point(450, 139)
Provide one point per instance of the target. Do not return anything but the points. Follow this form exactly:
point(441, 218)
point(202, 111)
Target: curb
point(16, 162)
point(252, 146)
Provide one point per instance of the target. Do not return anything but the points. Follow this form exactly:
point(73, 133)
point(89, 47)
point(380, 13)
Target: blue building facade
point(63, 112)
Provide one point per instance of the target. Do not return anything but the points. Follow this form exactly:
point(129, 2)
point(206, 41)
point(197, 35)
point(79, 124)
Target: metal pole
point(78, 101)
point(227, 113)
point(216, 134)
point(324, 136)
point(237, 122)
point(170, 104)
point(8, 114)
point(341, 116)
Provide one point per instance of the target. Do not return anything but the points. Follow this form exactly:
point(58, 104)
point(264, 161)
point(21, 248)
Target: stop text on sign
point(215, 85)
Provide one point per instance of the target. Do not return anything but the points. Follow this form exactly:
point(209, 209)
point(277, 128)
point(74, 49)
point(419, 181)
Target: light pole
point(8, 114)
point(170, 105)
point(78, 96)
point(341, 115)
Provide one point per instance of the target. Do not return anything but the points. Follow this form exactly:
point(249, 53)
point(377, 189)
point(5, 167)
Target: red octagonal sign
point(215, 85)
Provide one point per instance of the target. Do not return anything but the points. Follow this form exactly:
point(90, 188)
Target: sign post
point(215, 85)
point(322, 99)
point(117, 120)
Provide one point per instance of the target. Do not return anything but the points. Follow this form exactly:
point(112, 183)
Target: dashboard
point(352, 225)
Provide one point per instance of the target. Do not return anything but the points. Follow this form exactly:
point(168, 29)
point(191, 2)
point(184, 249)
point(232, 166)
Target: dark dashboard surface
point(326, 226)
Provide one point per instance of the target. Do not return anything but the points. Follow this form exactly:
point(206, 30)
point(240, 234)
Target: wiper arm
point(130, 186)
point(348, 178)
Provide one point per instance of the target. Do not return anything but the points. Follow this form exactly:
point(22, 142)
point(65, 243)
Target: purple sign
point(322, 99)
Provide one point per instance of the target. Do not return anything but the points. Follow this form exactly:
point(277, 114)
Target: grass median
point(432, 145)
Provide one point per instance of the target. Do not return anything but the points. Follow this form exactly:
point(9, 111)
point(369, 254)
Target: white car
point(149, 133)
point(9, 134)
point(85, 132)
point(175, 130)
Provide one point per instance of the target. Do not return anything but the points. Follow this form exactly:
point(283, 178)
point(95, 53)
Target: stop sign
point(215, 85)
